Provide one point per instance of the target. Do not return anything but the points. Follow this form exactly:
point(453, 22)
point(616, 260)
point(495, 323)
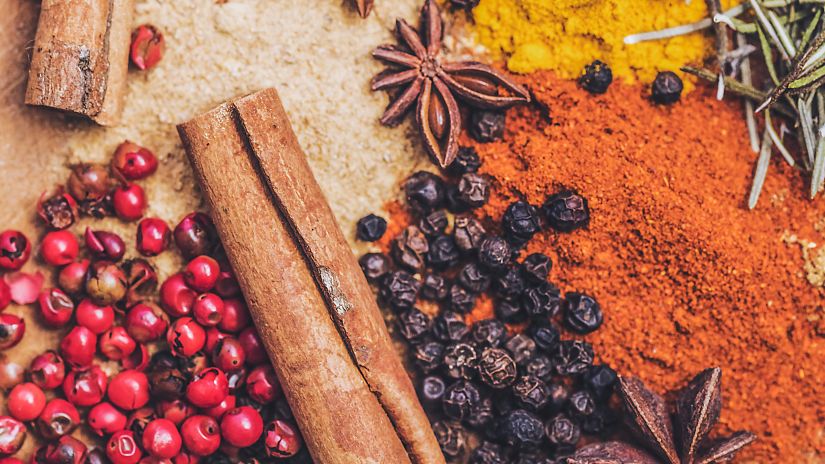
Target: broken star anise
point(435, 85)
point(681, 439)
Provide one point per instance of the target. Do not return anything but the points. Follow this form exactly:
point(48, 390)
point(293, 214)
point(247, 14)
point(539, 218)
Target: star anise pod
point(435, 85)
point(364, 7)
point(680, 439)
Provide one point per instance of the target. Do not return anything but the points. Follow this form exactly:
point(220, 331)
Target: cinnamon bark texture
point(81, 57)
point(336, 408)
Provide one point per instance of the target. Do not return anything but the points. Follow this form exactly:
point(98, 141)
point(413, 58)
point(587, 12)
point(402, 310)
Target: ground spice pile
point(687, 277)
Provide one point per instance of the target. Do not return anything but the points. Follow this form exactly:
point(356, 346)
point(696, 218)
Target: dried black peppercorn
point(582, 313)
point(489, 333)
point(451, 438)
point(460, 361)
point(370, 228)
point(434, 287)
point(481, 414)
point(537, 267)
point(467, 160)
point(510, 312)
point(459, 399)
point(468, 233)
point(541, 367)
point(474, 278)
point(596, 422)
point(581, 405)
point(414, 324)
point(425, 191)
point(566, 211)
point(496, 368)
point(453, 201)
point(596, 77)
point(487, 126)
point(428, 356)
point(431, 391)
point(521, 347)
point(562, 433)
point(466, 5)
point(473, 189)
point(521, 429)
point(443, 252)
point(520, 222)
point(494, 253)
point(410, 248)
point(531, 392)
point(542, 301)
point(573, 357)
point(558, 397)
point(434, 224)
point(449, 327)
point(399, 289)
point(487, 453)
point(461, 299)
point(546, 336)
point(600, 380)
point(667, 88)
point(375, 266)
point(510, 285)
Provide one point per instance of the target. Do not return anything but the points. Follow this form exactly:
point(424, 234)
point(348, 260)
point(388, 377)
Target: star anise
point(680, 439)
point(435, 85)
point(364, 7)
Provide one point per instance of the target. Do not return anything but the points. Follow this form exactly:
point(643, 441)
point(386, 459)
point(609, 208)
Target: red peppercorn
point(129, 202)
point(59, 248)
point(12, 329)
point(58, 211)
point(47, 370)
point(78, 347)
point(72, 278)
point(176, 297)
point(134, 162)
point(236, 380)
point(185, 337)
point(218, 411)
point(252, 346)
point(11, 372)
point(26, 401)
point(11, 461)
point(282, 439)
point(146, 322)
point(138, 360)
point(201, 273)
point(66, 450)
point(208, 388)
point(228, 355)
point(105, 419)
point(104, 245)
point(5, 295)
point(116, 343)
point(56, 307)
point(89, 181)
point(213, 336)
point(226, 286)
point(153, 236)
point(123, 449)
point(106, 283)
point(208, 309)
point(175, 410)
point(96, 318)
point(58, 418)
point(129, 390)
point(242, 426)
point(161, 439)
point(195, 235)
point(262, 384)
point(12, 435)
point(201, 435)
point(235, 316)
point(15, 250)
point(86, 387)
point(147, 47)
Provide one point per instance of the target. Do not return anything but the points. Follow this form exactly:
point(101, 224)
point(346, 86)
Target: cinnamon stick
point(81, 57)
point(338, 412)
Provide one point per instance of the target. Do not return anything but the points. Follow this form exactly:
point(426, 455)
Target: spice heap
point(171, 372)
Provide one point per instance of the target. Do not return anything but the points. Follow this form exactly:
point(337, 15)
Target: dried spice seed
point(546, 336)
point(510, 285)
point(428, 356)
point(494, 253)
point(443, 252)
point(521, 429)
point(496, 368)
point(582, 313)
point(596, 77)
point(542, 301)
point(434, 224)
point(375, 266)
point(487, 453)
point(461, 299)
point(147, 47)
point(562, 433)
point(601, 380)
point(460, 361)
point(510, 312)
point(487, 126)
point(371, 228)
point(481, 415)
point(466, 5)
point(451, 438)
point(434, 287)
point(410, 248)
point(667, 88)
point(573, 357)
point(473, 190)
point(424, 191)
point(466, 161)
point(449, 326)
point(489, 333)
point(520, 222)
point(89, 181)
point(413, 324)
point(531, 392)
point(566, 211)
point(468, 233)
point(558, 397)
point(453, 201)
point(474, 278)
point(400, 290)
point(431, 391)
point(536, 267)
point(521, 347)
point(581, 405)
point(540, 367)
point(459, 399)
point(59, 211)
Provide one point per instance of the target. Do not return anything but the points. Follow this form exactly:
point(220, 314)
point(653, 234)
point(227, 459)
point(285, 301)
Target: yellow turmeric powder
point(565, 35)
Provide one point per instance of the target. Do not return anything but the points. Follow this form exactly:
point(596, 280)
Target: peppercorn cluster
point(529, 394)
point(173, 372)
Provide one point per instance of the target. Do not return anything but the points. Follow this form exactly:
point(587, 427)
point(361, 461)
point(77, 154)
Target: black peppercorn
point(582, 313)
point(468, 233)
point(537, 267)
point(510, 285)
point(487, 453)
point(434, 224)
point(410, 248)
point(460, 361)
point(596, 422)
point(546, 336)
point(510, 312)
point(466, 5)
point(573, 357)
point(600, 380)
point(443, 252)
point(481, 414)
point(467, 160)
point(453, 200)
point(520, 222)
point(431, 391)
point(370, 228)
point(399, 289)
point(494, 253)
point(581, 405)
point(531, 392)
point(487, 126)
point(375, 266)
point(451, 438)
point(449, 327)
point(474, 278)
point(461, 299)
point(428, 356)
point(414, 324)
point(434, 287)
point(425, 191)
point(667, 88)
point(541, 367)
point(566, 211)
point(521, 347)
point(542, 301)
point(473, 190)
point(557, 399)
point(496, 368)
point(521, 429)
point(459, 399)
point(596, 77)
point(562, 433)
point(489, 333)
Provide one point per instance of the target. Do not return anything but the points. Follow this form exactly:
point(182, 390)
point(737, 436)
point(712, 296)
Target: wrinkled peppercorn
point(425, 191)
point(558, 397)
point(443, 252)
point(487, 453)
point(428, 356)
point(375, 266)
point(449, 326)
point(453, 201)
point(487, 126)
point(496, 368)
point(542, 301)
point(510, 312)
point(520, 222)
point(573, 357)
point(489, 333)
point(600, 380)
point(596, 77)
point(481, 414)
point(667, 88)
point(494, 253)
point(541, 367)
point(546, 336)
point(511, 284)
point(370, 228)
point(468, 233)
point(474, 278)
point(461, 299)
point(459, 399)
point(581, 405)
point(521, 347)
point(431, 391)
point(596, 422)
point(582, 313)
point(460, 361)
point(537, 267)
point(434, 224)
point(400, 289)
point(473, 190)
point(450, 437)
point(562, 432)
point(566, 211)
point(531, 392)
point(434, 287)
point(414, 324)
point(521, 429)
point(467, 160)
point(410, 248)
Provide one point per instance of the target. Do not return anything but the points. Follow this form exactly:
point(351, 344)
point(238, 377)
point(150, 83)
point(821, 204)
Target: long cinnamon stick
point(340, 417)
point(81, 57)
